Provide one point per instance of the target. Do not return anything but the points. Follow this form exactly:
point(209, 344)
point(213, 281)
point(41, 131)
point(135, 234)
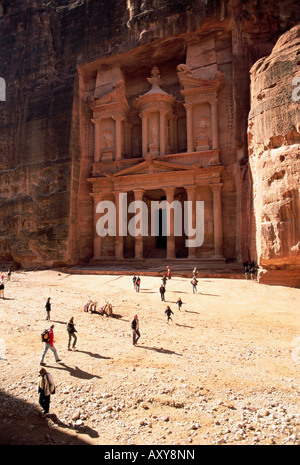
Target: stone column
point(97, 136)
point(97, 239)
point(218, 223)
point(162, 131)
point(128, 138)
point(118, 137)
point(119, 239)
point(175, 134)
point(172, 133)
point(144, 133)
point(214, 123)
point(171, 238)
point(191, 197)
point(189, 127)
point(138, 195)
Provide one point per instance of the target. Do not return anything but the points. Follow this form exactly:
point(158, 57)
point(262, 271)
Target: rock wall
point(274, 153)
point(45, 146)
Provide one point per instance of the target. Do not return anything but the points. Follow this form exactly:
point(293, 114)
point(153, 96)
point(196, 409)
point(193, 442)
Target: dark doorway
point(161, 239)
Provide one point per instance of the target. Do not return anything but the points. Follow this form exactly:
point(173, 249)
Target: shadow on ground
point(23, 424)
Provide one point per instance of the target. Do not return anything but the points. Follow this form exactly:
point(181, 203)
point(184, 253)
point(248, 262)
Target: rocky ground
point(224, 371)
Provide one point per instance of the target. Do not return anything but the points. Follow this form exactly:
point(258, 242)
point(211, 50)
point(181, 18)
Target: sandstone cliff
point(274, 153)
point(46, 208)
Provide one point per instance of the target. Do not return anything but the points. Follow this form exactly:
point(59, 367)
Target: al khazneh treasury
point(156, 145)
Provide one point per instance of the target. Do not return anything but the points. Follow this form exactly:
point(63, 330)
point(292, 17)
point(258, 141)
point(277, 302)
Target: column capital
point(118, 117)
point(118, 192)
point(216, 187)
point(190, 189)
point(139, 192)
point(213, 101)
point(169, 189)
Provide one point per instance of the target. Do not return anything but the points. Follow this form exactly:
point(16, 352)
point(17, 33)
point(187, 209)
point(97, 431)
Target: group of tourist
point(162, 290)
point(46, 385)
point(250, 269)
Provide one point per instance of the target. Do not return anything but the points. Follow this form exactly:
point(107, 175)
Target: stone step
point(152, 267)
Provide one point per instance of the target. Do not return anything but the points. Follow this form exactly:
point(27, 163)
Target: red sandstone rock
point(274, 149)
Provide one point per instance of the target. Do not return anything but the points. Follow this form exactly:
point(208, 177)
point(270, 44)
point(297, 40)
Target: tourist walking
point(246, 269)
point(138, 284)
point(164, 280)
point(9, 275)
point(168, 312)
point(195, 271)
point(71, 331)
point(134, 281)
point(49, 344)
point(253, 270)
point(46, 387)
point(179, 303)
point(2, 290)
point(135, 326)
point(169, 274)
point(194, 283)
point(48, 309)
point(162, 291)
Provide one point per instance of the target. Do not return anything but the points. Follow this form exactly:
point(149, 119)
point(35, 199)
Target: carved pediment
point(114, 98)
point(152, 166)
point(190, 82)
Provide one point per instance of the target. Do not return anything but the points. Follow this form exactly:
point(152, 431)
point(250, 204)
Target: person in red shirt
point(169, 272)
point(50, 345)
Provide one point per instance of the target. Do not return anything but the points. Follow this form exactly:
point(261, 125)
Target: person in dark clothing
point(162, 291)
point(134, 281)
point(48, 309)
point(253, 270)
point(179, 303)
point(168, 312)
point(71, 330)
point(135, 330)
point(164, 280)
point(2, 290)
point(46, 387)
point(246, 269)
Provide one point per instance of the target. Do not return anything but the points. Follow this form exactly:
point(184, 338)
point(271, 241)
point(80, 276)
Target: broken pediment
point(114, 99)
point(188, 81)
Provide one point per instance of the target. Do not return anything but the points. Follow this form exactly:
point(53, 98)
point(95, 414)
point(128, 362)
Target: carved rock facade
point(142, 97)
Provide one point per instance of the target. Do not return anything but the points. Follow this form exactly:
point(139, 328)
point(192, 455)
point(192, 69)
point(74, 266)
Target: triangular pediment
point(151, 166)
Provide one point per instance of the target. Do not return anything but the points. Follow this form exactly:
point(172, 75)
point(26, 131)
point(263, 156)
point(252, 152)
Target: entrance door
point(161, 239)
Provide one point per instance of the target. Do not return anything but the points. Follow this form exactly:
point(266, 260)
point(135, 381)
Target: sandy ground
point(225, 370)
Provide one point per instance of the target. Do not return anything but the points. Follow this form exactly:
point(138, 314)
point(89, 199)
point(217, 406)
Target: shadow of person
point(83, 429)
point(184, 326)
point(91, 354)
point(160, 350)
point(118, 317)
point(76, 372)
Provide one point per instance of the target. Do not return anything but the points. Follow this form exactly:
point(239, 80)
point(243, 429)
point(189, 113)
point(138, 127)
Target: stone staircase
point(212, 268)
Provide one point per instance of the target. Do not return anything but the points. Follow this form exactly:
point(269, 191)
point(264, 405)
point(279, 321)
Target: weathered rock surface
point(274, 148)
point(46, 208)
